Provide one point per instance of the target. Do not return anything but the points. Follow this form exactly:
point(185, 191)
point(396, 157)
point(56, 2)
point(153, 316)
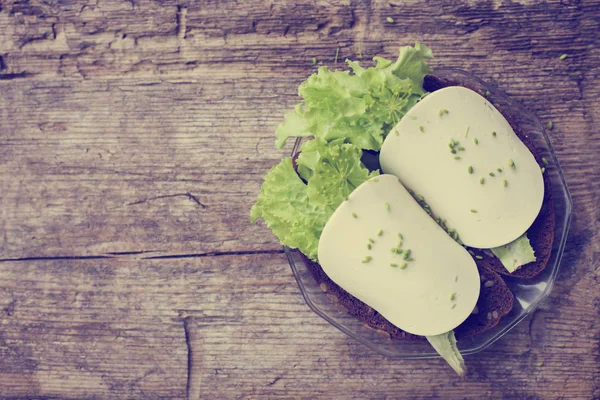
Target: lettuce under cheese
point(359, 107)
point(515, 254)
point(445, 345)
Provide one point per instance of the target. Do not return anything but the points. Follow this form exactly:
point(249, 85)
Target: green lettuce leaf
point(297, 212)
point(362, 107)
point(515, 254)
point(336, 175)
point(445, 345)
point(310, 154)
point(284, 206)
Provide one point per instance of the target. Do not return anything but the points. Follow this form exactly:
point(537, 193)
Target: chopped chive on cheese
point(354, 215)
point(505, 183)
point(421, 128)
point(442, 112)
point(467, 131)
point(452, 296)
point(494, 134)
point(400, 235)
point(407, 254)
point(499, 170)
point(369, 246)
point(492, 174)
point(511, 163)
point(460, 148)
point(473, 210)
point(367, 259)
point(375, 179)
point(475, 141)
point(387, 206)
point(470, 169)
point(371, 240)
point(380, 232)
point(403, 265)
point(457, 157)
point(481, 180)
point(409, 259)
point(393, 265)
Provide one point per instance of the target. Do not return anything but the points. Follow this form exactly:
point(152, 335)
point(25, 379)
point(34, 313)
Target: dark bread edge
point(494, 297)
point(495, 301)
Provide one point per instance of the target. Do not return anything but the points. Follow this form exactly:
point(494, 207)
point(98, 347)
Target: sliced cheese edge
point(433, 293)
point(457, 150)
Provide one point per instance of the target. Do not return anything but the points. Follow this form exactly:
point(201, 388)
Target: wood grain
point(121, 327)
point(139, 129)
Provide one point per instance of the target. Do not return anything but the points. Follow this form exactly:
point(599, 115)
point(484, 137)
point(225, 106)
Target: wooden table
point(134, 136)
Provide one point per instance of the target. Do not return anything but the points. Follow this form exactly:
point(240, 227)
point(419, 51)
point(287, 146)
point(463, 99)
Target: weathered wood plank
point(114, 328)
point(129, 165)
point(142, 38)
point(173, 166)
point(164, 167)
point(146, 127)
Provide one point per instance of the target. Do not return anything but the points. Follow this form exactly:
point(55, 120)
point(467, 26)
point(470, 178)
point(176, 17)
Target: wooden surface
point(133, 140)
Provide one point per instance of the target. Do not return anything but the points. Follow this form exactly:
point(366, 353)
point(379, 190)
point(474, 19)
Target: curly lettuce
point(296, 211)
point(362, 107)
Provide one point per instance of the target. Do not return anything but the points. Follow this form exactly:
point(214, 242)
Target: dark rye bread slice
point(495, 301)
point(541, 232)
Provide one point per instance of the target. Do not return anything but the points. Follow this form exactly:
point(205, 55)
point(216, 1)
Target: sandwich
point(410, 199)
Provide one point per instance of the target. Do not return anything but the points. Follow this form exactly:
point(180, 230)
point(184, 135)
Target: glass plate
point(528, 293)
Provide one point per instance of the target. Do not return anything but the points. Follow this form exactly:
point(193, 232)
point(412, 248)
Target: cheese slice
point(490, 205)
point(433, 293)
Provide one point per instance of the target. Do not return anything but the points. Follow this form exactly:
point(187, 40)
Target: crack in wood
point(122, 253)
point(53, 258)
point(181, 23)
point(186, 329)
point(130, 253)
point(274, 381)
point(166, 196)
point(216, 254)
point(16, 75)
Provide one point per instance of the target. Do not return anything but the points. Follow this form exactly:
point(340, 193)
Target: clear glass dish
point(528, 293)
